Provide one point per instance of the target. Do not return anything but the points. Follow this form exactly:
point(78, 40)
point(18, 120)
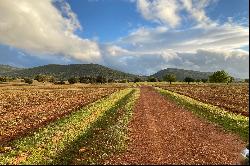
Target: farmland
point(233, 98)
point(23, 109)
point(122, 123)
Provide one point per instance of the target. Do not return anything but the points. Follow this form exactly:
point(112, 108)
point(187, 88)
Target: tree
point(188, 79)
point(152, 79)
point(43, 78)
point(28, 80)
point(72, 80)
point(92, 80)
point(204, 80)
point(3, 79)
point(101, 79)
point(84, 79)
point(219, 77)
point(40, 78)
point(137, 79)
point(170, 78)
point(51, 79)
point(198, 80)
point(231, 79)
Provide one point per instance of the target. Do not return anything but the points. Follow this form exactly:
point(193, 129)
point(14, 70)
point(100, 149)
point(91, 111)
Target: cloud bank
point(38, 27)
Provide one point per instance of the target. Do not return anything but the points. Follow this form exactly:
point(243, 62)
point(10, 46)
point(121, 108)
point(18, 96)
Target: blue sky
point(135, 36)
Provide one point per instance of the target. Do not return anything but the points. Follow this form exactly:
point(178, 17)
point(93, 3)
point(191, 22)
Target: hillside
point(7, 68)
point(73, 70)
point(181, 74)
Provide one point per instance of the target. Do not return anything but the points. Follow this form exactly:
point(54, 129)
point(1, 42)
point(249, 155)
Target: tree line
point(216, 77)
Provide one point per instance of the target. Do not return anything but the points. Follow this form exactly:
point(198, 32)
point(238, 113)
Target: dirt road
point(163, 133)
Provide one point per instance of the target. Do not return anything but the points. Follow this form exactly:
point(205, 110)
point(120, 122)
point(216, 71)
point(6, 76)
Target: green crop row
point(107, 137)
point(229, 121)
point(48, 144)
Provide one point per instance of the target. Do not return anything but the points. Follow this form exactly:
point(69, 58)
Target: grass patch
point(48, 143)
point(229, 121)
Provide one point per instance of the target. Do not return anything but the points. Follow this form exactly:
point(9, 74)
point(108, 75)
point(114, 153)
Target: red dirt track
point(163, 133)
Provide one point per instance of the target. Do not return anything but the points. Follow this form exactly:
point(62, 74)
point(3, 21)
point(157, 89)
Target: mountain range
point(181, 74)
point(77, 70)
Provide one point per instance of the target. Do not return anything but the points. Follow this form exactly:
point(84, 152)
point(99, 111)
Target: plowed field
point(233, 98)
point(23, 109)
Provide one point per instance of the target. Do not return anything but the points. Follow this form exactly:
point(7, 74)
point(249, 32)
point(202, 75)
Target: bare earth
point(163, 133)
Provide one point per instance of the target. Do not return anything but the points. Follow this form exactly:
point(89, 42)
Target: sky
point(134, 36)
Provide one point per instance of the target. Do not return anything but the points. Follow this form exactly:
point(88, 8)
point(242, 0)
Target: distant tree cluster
point(152, 79)
point(137, 79)
point(73, 80)
point(7, 79)
point(44, 78)
point(28, 80)
point(101, 79)
point(204, 80)
point(87, 79)
point(189, 79)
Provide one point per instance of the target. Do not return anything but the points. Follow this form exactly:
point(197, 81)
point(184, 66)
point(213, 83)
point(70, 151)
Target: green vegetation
point(170, 78)
point(137, 79)
point(220, 77)
point(101, 79)
point(28, 80)
point(44, 78)
point(204, 80)
point(72, 80)
point(108, 135)
point(152, 79)
point(64, 72)
point(236, 123)
point(58, 142)
point(181, 74)
point(86, 80)
point(7, 79)
point(188, 80)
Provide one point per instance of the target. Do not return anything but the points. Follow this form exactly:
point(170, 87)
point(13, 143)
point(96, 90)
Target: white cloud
point(160, 11)
point(196, 9)
point(38, 27)
point(168, 12)
point(224, 37)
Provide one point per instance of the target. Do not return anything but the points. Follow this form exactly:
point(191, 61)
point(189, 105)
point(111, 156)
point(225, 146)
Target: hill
point(73, 70)
point(7, 68)
point(181, 74)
